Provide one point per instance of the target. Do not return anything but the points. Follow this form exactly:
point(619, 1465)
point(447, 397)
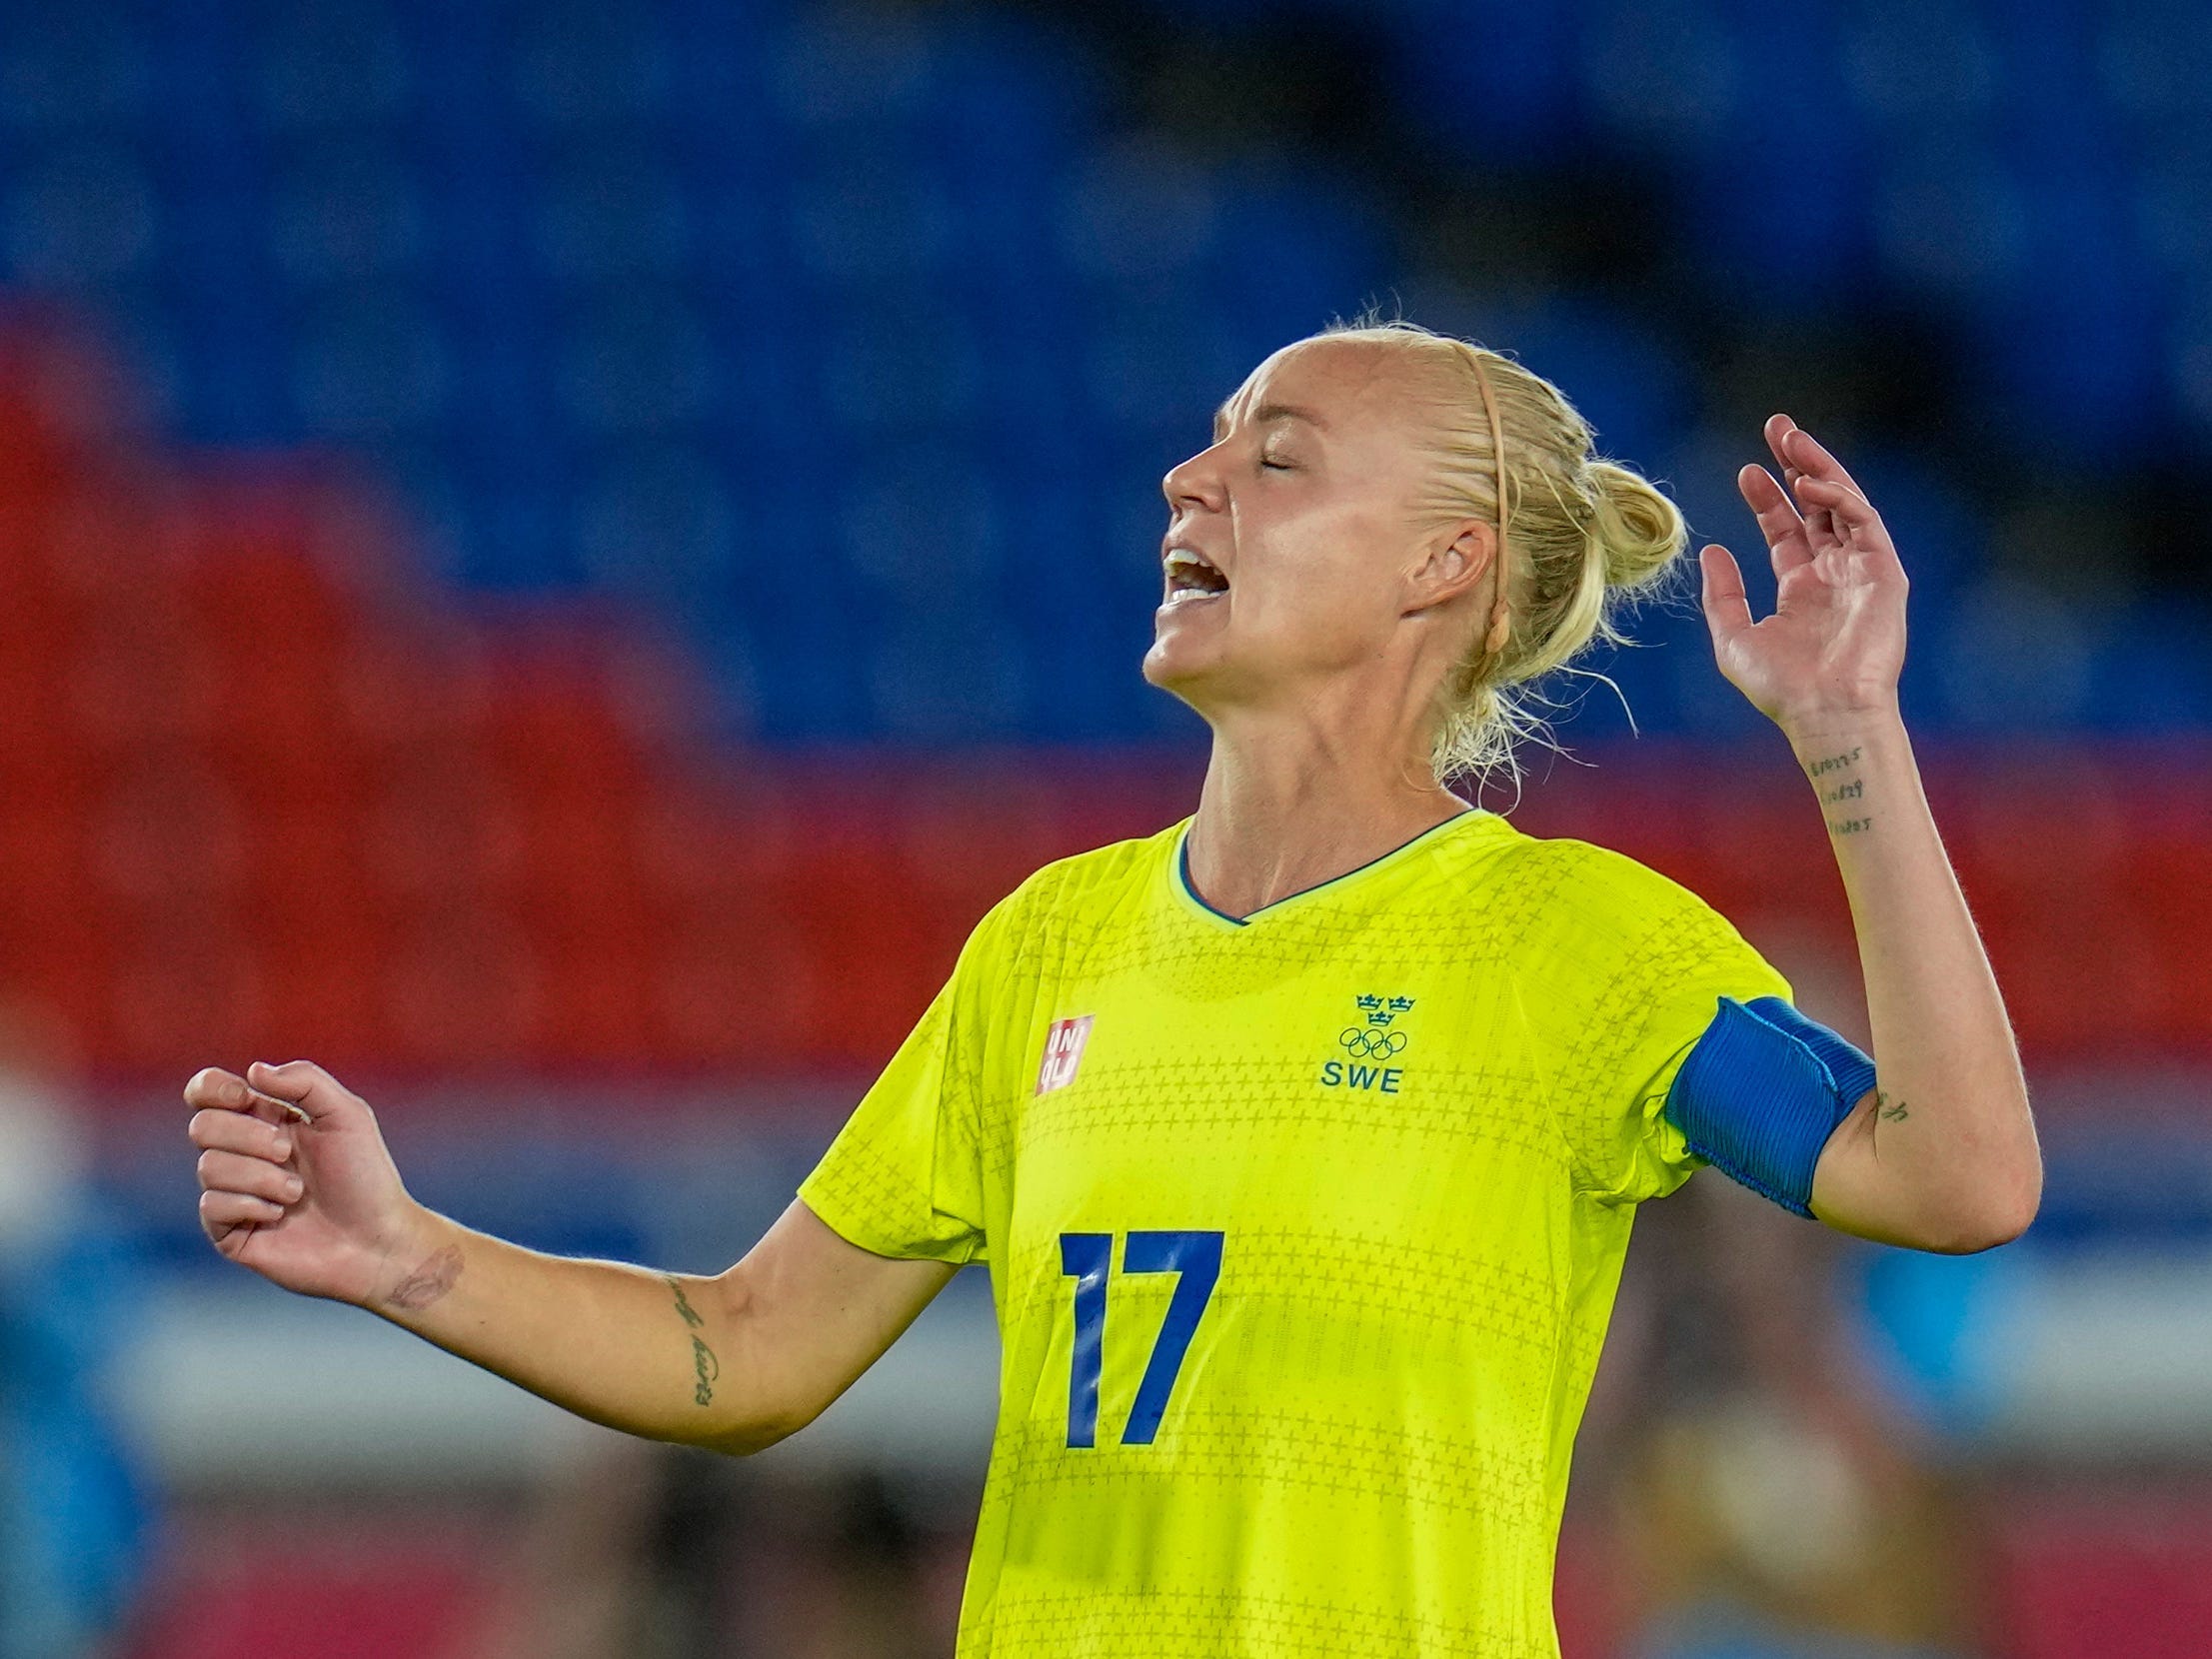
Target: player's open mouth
point(1191, 578)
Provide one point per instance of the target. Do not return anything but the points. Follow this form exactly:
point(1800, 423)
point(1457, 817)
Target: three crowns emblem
point(1371, 1036)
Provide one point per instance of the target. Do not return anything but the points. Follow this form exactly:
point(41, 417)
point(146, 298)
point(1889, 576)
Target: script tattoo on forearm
point(428, 1282)
point(1854, 790)
point(705, 1367)
point(1889, 1107)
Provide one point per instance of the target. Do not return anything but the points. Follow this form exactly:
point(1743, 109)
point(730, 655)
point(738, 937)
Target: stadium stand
point(2035, 172)
point(514, 855)
point(638, 300)
point(637, 314)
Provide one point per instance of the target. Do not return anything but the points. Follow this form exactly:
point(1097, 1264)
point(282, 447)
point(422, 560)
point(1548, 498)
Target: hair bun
point(1639, 532)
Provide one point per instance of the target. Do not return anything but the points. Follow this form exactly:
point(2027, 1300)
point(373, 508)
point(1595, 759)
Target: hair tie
point(1502, 620)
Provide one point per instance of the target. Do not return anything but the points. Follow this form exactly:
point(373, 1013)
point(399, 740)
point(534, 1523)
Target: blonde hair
point(1578, 536)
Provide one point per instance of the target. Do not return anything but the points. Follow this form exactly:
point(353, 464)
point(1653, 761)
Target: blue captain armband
point(1761, 1091)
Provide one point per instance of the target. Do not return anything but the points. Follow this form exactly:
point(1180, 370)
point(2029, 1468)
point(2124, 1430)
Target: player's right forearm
point(656, 1354)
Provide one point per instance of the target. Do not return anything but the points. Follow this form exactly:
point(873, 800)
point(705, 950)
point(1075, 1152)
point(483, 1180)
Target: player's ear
point(1454, 560)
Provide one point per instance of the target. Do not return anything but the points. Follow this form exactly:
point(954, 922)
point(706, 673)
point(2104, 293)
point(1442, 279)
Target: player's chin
point(1182, 656)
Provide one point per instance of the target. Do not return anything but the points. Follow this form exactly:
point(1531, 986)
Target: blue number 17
point(1087, 1257)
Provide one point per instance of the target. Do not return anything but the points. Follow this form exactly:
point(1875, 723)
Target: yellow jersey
point(1303, 1229)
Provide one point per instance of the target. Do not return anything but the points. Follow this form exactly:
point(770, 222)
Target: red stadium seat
point(187, 980)
point(463, 993)
point(441, 823)
point(407, 683)
point(239, 715)
point(598, 1011)
point(353, 1594)
point(2167, 882)
point(2104, 1574)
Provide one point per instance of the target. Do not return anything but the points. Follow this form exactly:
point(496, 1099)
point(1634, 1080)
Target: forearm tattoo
point(1842, 796)
point(705, 1367)
point(428, 1282)
point(1889, 1107)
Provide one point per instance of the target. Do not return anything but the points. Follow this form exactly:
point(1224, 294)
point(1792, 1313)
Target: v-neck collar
point(1179, 870)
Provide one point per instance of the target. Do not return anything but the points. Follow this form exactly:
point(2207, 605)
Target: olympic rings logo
point(1365, 1044)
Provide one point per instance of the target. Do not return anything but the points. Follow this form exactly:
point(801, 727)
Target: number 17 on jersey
point(1087, 1257)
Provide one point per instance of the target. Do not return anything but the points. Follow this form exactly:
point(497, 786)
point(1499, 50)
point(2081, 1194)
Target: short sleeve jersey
point(1303, 1230)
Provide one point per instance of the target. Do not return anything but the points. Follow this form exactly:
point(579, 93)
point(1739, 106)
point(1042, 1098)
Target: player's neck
point(1291, 804)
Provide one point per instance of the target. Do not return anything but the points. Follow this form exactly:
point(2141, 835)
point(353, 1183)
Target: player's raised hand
point(1836, 642)
point(295, 1179)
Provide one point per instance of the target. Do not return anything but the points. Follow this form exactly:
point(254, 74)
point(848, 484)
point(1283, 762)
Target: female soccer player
point(1302, 1138)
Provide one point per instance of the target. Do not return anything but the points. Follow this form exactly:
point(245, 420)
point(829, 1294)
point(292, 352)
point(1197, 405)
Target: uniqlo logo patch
point(1063, 1052)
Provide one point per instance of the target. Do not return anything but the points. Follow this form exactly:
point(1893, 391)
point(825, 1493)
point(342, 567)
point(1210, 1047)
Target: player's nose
point(1195, 482)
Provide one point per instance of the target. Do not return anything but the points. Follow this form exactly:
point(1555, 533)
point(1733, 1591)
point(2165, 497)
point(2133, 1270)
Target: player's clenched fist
point(295, 1181)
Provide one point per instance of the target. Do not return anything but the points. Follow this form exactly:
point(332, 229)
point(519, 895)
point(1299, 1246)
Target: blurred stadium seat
point(516, 852)
point(2111, 1571)
point(620, 296)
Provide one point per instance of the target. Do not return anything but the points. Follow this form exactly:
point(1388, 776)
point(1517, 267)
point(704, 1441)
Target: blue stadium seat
point(711, 305)
point(369, 365)
point(1669, 74)
point(1497, 79)
point(2149, 673)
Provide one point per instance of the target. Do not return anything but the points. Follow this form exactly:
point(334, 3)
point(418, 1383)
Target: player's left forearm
point(1944, 1155)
